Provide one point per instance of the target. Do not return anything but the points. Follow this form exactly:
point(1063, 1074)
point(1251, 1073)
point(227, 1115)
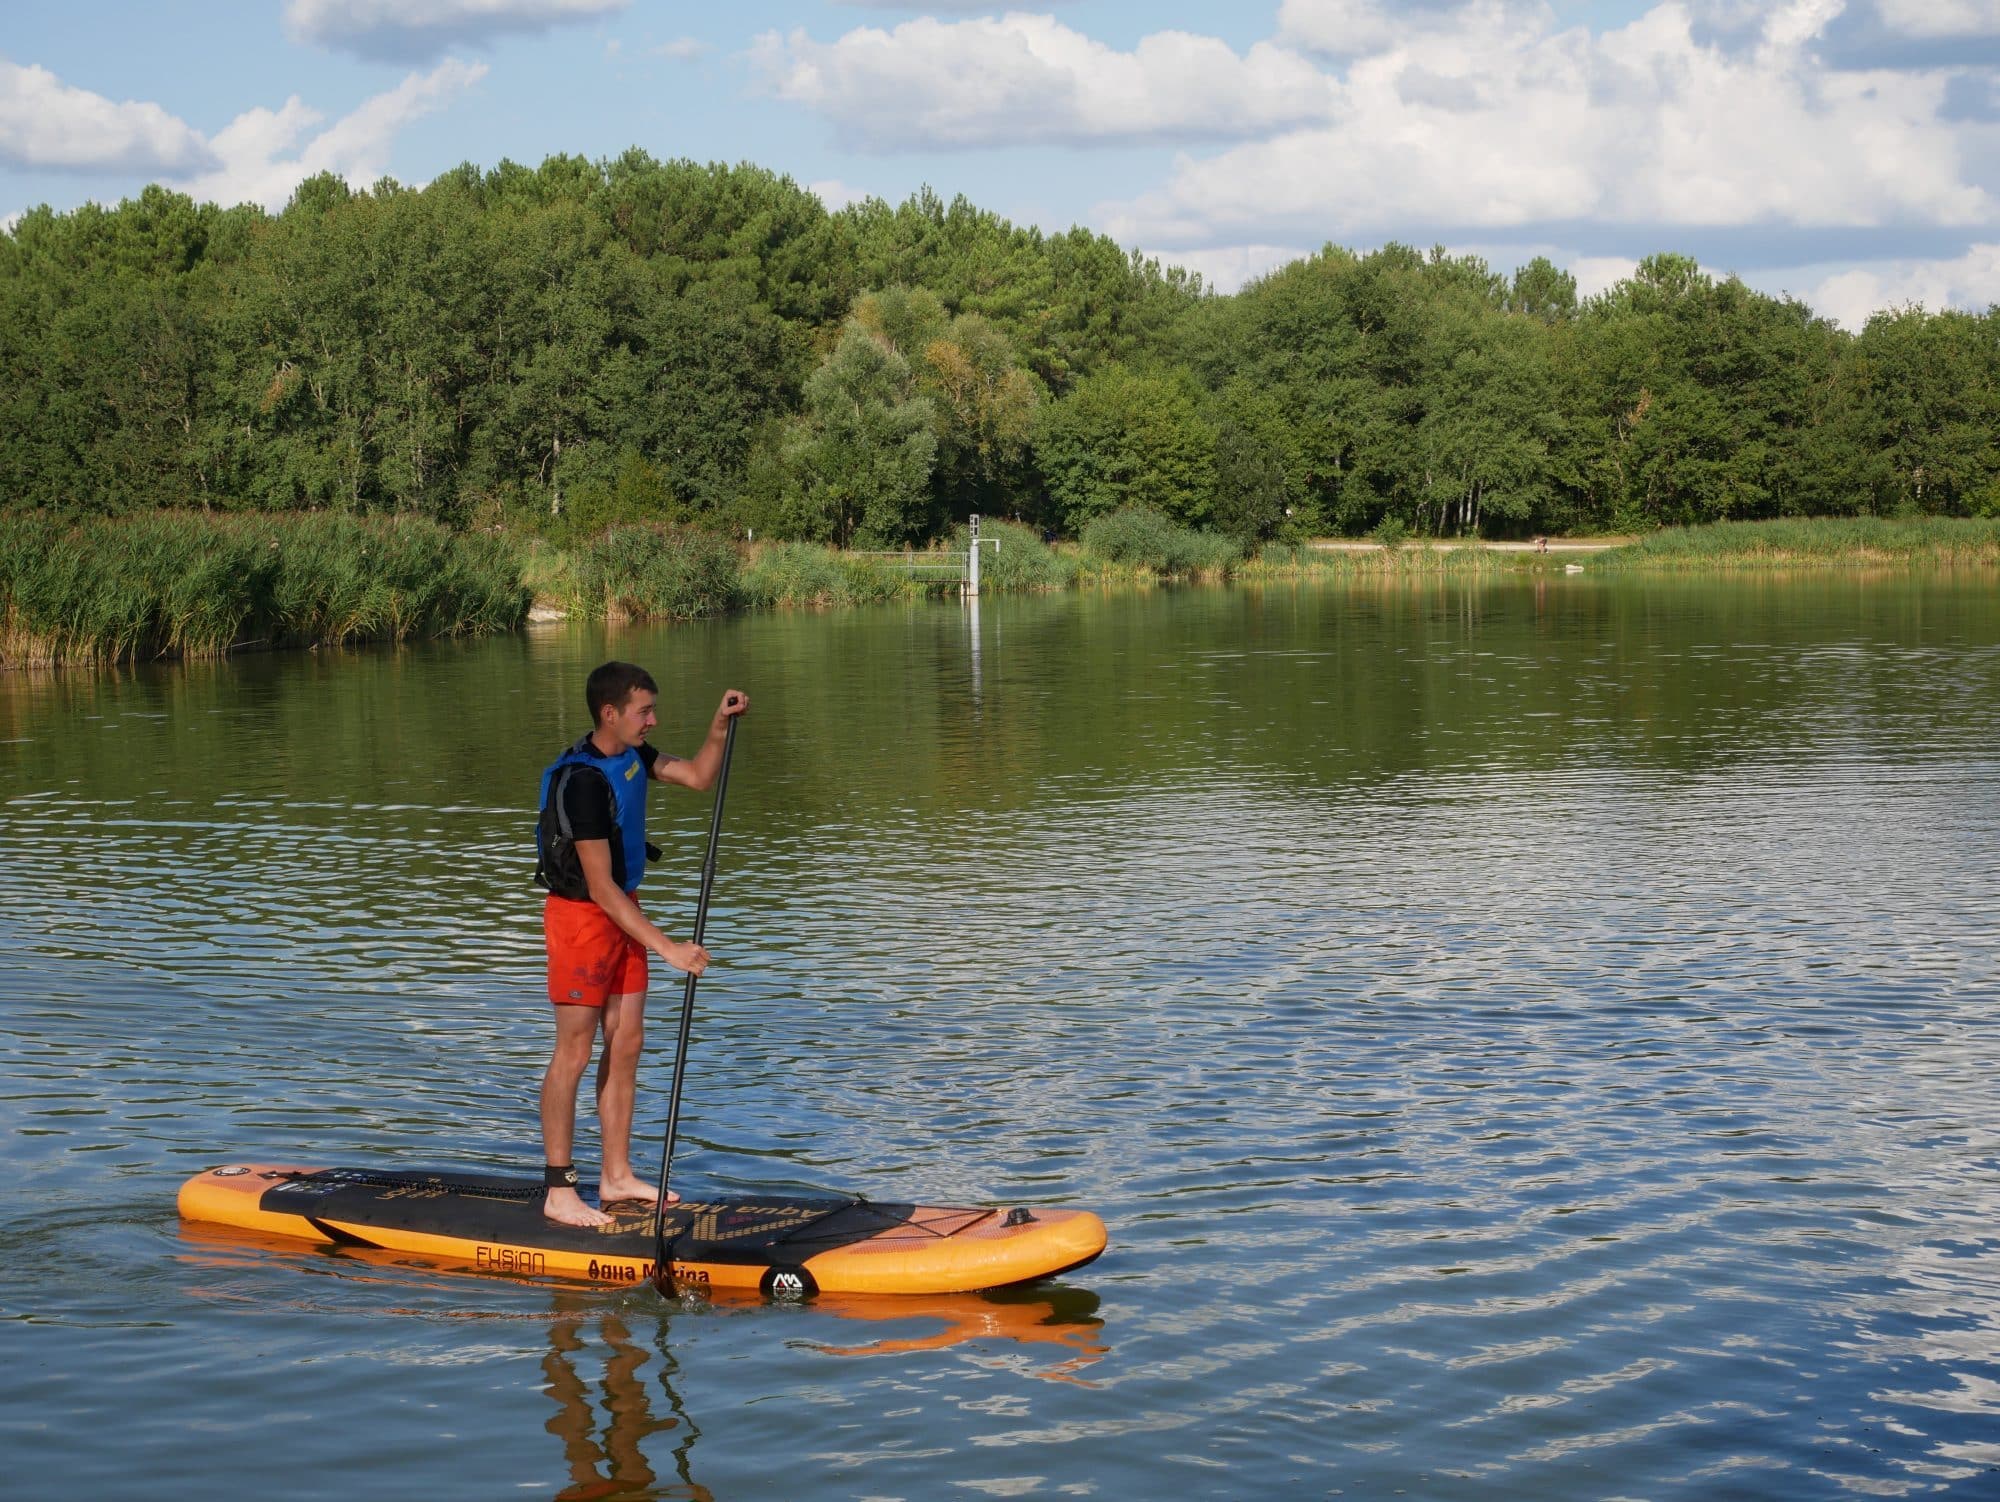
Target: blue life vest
point(557, 867)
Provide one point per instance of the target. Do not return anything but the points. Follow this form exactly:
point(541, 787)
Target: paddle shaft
point(687, 997)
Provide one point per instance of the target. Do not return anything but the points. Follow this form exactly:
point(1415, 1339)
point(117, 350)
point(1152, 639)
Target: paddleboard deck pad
point(778, 1245)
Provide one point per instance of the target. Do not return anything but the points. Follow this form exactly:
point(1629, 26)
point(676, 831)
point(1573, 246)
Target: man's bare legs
point(624, 1022)
point(576, 1033)
point(617, 1083)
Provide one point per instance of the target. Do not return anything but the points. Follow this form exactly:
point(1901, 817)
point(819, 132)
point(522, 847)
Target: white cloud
point(959, 7)
point(1230, 267)
point(265, 154)
point(1970, 281)
point(1500, 120)
point(1932, 19)
point(1360, 28)
point(1595, 274)
point(682, 49)
point(837, 195)
point(259, 157)
point(419, 30)
point(47, 124)
point(1024, 79)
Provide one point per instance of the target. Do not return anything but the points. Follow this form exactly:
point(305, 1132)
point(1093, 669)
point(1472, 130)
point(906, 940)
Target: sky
point(1845, 152)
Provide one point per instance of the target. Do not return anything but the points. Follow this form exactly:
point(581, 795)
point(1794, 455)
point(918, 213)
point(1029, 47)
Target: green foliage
point(402, 351)
point(1544, 291)
point(1924, 406)
point(1022, 563)
point(1123, 439)
point(1260, 473)
point(1282, 561)
point(585, 344)
point(859, 458)
point(1854, 541)
point(1143, 538)
point(174, 584)
point(653, 574)
point(982, 401)
point(1390, 532)
point(1711, 402)
point(803, 575)
point(634, 492)
point(343, 579)
point(1069, 303)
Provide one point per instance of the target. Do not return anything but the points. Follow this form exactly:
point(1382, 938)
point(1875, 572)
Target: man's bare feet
point(566, 1207)
point(631, 1191)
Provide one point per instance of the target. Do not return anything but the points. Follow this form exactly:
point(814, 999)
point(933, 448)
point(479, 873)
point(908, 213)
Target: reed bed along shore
point(649, 573)
point(1283, 561)
point(168, 584)
point(1813, 542)
point(171, 584)
point(639, 573)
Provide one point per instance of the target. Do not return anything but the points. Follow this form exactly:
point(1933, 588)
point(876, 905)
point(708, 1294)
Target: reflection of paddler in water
point(609, 1458)
point(615, 1464)
point(612, 1461)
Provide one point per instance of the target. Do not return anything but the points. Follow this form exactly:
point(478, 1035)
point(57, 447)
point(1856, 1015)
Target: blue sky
point(1845, 151)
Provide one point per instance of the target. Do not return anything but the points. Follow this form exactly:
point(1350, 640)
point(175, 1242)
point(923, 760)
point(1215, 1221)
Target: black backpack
point(556, 863)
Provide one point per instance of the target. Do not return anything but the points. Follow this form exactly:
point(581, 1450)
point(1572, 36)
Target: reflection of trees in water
point(607, 1426)
point(611, 1462)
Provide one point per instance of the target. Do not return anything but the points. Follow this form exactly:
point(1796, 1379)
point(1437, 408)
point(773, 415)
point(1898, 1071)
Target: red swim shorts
point(590, 957)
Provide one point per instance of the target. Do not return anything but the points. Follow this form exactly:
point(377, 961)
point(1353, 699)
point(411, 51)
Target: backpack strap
point(567, 831)
point(563, 775)
point(556, 790)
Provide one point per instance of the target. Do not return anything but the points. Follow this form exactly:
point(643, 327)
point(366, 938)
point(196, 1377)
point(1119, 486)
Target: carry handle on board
point(661, 1273)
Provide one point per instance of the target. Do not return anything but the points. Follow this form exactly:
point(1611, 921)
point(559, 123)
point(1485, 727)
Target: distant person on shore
point(590, 840)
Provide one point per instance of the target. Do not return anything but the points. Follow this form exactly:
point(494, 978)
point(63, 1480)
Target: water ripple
point(1533, 1040)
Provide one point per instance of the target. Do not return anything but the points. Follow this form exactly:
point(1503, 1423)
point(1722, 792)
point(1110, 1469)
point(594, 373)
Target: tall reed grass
point(184, 584)
point(1296, 561)
point(653, 573)
point(1022, 564)
point(1818, 542)
point(190, 584)
point(806, 576)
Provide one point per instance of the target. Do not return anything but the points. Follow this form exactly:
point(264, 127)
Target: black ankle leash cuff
point(558, 1178)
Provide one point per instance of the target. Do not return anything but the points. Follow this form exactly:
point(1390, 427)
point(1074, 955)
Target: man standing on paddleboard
point(591, 840)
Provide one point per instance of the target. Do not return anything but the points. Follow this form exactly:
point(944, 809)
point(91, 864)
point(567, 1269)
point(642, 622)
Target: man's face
point(633, 720)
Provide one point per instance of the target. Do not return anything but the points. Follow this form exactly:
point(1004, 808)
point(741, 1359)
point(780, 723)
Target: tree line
point(559, 348)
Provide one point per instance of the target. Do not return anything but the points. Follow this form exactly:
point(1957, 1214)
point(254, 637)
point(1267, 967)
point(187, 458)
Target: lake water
point(1527, 1040)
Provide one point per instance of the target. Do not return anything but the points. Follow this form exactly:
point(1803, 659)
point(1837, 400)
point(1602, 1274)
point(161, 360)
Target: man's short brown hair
point(613, 684)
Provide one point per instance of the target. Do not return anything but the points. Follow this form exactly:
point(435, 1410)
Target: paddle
point(661, 1273)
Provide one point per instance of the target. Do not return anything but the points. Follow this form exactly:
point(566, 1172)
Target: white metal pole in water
point(972, 615)
point(972, 555)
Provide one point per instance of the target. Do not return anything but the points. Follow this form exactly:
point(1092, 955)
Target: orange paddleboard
point(774, 1244)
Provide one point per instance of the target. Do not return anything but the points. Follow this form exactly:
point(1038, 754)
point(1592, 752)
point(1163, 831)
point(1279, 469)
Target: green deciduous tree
point(1703, 396)
point(858, 460)
point(982, 401)
point(1121, 438)
point(1926, 406)
point(1260, 475)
